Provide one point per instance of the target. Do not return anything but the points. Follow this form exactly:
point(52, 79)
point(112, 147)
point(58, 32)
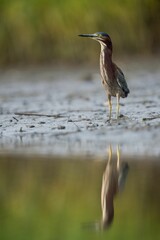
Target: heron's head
point(102, 37)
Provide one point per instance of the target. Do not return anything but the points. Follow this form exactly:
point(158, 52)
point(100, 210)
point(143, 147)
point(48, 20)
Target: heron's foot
point(109, 120)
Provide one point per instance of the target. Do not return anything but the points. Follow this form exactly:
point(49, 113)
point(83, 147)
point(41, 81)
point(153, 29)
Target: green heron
point(113, 78)
point(113, 181)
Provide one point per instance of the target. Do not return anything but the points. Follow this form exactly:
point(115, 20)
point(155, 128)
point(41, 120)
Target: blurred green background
point(45, 31)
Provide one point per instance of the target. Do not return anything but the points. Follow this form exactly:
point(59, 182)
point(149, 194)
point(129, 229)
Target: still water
point(75, 198)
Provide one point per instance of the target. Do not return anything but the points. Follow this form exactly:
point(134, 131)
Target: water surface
point(58, 198)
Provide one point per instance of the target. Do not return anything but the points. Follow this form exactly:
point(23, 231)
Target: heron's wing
point(121, 80)
point(123, 176)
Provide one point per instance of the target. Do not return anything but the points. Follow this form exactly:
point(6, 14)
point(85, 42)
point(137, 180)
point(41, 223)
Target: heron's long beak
point(88, 35)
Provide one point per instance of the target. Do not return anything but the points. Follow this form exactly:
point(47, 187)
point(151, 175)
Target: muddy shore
point(63, 112)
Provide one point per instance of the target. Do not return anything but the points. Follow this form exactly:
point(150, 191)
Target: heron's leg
point(118, 158)
point(109, 154)
point(118, 106)
point(110, 106)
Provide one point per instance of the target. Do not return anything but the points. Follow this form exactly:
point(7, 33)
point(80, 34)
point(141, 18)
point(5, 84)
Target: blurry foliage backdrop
point(44, 31)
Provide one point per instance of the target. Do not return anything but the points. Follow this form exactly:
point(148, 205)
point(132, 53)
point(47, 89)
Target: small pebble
point(42, 122)
point(61, 127)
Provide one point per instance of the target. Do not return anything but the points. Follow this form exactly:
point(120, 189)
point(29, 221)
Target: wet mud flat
point(63, 112)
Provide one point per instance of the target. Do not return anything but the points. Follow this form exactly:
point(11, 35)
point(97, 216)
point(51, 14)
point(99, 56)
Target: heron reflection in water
point(113, 181)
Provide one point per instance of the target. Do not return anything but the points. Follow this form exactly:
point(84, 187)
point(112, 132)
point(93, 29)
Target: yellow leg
point(109, 153)
point(110, 106)
point(118, 157)
point(118, 106)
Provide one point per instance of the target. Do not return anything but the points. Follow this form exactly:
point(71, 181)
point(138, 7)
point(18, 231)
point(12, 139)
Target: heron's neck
point(106, 53)
point(107, 217)
point(106, 60)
